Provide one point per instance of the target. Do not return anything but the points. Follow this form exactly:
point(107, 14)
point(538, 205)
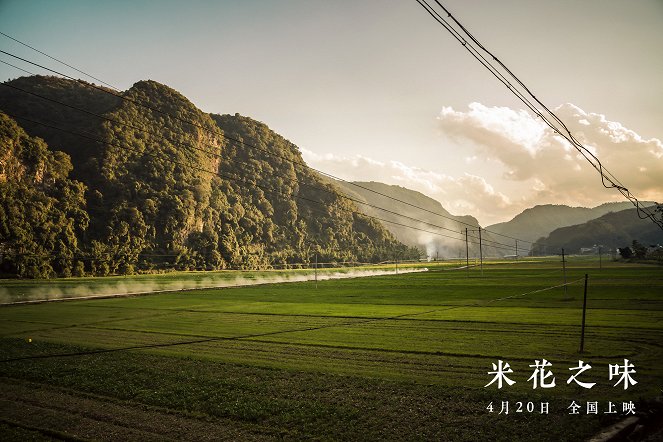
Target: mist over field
point(81, 290)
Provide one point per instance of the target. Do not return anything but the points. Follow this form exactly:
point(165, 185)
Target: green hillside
point(539, 221)
point(618, 229)
point(163, 188)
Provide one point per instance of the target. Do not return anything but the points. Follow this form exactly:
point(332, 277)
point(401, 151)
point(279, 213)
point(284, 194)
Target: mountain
point(615, 229)
point(440, 234)
point(540, 221)
point(169, 186)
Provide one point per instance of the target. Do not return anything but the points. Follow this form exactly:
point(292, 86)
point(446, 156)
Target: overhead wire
point(520, 95)
point(58, 60)
point(328, 175)
point(544, 113)
point(488, 242)
point(225, 176)
point(302, 183)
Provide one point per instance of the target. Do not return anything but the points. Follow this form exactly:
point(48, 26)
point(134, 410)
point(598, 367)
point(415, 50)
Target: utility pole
point(480, 251)
point(600, 259)
point(467, 254)
point(516, 250)
point(564, 269)
point(584, 309)
point(316, 270)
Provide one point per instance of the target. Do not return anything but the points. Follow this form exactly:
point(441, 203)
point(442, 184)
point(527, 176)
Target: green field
point(387, 357)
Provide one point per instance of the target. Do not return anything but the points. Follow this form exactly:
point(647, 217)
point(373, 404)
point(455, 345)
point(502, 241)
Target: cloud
point(537, 165)
point(529, 151)
point(513, 128)
point(465, 194)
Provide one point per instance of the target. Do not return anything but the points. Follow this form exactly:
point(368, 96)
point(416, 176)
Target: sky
point(377, 90)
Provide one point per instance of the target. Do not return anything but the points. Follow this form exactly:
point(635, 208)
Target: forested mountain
point(539, 221)
point(440, 235)
point(154, 183)
point(615, 229)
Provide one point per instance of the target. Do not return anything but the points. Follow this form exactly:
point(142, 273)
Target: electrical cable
point(253, 146)
point(488, 242)
point(562, 130)
point(235, 179)
point(294, 180)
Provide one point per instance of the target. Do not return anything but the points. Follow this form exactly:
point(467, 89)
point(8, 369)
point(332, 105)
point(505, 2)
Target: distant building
point(594, 250)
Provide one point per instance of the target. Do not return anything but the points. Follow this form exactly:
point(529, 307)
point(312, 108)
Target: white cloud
point(539, 164)
point(516, 127)
point(530, 151)
point(465, 194)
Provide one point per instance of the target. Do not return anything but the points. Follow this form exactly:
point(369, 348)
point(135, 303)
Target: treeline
point(638, 252)
point(150, 182)
point(610, 231)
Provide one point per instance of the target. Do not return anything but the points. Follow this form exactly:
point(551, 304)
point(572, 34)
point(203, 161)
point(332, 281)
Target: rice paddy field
point(401, 356)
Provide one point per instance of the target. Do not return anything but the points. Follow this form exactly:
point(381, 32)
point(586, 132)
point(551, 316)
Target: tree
point(639, 250)
point(42, 210)
point(625, 252)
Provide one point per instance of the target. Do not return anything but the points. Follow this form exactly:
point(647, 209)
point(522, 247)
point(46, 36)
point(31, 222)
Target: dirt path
point(78, 416)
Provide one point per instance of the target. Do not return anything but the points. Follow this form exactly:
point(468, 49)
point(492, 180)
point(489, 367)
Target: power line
point(253, 146)
point(16, 67)
point(236, 160)
point(59, 61)
point(491, 243)
point(520, 95)
point(228, 177)
point(524, 94)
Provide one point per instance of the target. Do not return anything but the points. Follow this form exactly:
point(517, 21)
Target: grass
point(397, 357)
point(17, 290)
